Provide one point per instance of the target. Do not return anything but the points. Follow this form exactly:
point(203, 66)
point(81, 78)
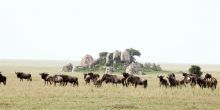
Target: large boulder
point(87, 61)
point(67, 68)
point(116, 56)
point(125, 57)
point(109, 59)
point(133, 68)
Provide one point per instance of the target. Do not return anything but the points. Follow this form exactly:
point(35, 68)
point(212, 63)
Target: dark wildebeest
point(172, 80)
point(114, 79)
point(163, 82)
point(201, 82)
point(208, 76)
point(193, 79)
point(135, 80)
point(22, 75)
point(47, 78)
point(70, 79)
point(123, 80)
point(98, 83)
point(2, 79)
point(90, 77)
point(210, 81)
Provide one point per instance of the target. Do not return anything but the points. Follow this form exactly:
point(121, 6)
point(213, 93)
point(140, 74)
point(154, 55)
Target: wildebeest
point(208, 76)
point(172, 80)
point(2, 79)
point(109, 78)
point(186, 79)
point(22, 75)
point(46, 77)
point(135, 80)
point(193, 79)
point(90, 77)
point(163, 82)
point(210, 81)
point(98, 83)
point(57, 79)
point(70, 79)
point(207, 82)
point(123, 80)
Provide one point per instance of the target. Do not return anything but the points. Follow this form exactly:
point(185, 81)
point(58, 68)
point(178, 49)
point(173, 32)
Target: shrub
point(195, 70)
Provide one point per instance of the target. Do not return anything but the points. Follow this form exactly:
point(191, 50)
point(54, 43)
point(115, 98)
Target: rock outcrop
point(87, 61)
point(133, 68)
point(116, 56)
point(67, 68)
point(125, 57)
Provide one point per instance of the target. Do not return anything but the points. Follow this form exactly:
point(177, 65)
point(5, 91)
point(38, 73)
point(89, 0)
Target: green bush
point(195, 70)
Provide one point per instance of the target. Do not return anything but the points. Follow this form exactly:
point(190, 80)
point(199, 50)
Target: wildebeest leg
point(4, 82)
point(135, 85)
point(60, 83)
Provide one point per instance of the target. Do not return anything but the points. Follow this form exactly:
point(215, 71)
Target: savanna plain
point(35, 95)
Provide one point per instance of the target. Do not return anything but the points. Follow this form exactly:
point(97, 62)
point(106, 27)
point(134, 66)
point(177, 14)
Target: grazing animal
point(44, 77)
point(114, 79)
point(135, 80)
point(123, 80)
point(98, 83)
point(193, 80)
point(213, 83)
point(172, 80)
point(201, 82)
point(163, 82)
point(57, 79)
point(2, 79)
point(187, 78)
point(90, 77)
point(210, 81)
point(208, 76)
point(22, 75)
point(70, 79)
point(47, 78)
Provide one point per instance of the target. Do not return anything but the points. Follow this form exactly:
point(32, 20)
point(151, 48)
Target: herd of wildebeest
point(126, 80)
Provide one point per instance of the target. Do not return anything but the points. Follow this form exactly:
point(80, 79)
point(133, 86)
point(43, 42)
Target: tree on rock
point(133, 52)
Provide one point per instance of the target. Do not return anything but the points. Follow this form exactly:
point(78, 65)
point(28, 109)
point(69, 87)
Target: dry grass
point(34, 95)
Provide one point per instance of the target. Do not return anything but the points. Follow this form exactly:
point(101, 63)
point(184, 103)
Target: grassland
point(34, 95)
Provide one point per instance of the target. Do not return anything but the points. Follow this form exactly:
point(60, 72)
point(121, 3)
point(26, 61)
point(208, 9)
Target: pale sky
point(168, 31)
